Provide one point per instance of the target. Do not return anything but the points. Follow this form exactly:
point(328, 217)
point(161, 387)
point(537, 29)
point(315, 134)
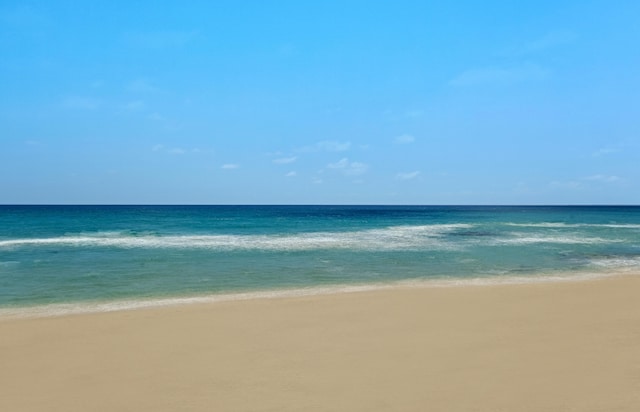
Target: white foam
point(620, 226)
point(616, 262)
point(575, 225)
point(520, 239)
point(9, 263)
point(62, 309)
point(390, 238)
point(543, 225)
point(65, 309)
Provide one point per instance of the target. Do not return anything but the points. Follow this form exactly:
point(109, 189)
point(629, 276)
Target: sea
point(73, 259)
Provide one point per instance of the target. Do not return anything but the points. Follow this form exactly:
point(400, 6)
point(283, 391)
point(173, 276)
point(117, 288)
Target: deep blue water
point(62, 254)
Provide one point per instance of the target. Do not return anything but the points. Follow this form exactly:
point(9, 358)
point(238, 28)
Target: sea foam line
point(525, 239)
point(560, 225)
point(394, 237)
point(65, 309)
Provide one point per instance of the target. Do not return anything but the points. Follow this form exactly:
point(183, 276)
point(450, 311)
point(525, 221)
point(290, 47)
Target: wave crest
point(390, 238)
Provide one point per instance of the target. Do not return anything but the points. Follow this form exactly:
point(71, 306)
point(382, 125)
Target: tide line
point(65, 309)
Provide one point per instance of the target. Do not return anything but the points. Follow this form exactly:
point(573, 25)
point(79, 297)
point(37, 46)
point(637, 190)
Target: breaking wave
point(560, 225)
point(390, 238)
point(526, 239)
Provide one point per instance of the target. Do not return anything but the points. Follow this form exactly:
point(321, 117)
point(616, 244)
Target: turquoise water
point(76, 254)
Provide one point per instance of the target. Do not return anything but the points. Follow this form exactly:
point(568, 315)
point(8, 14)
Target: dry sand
point(569, 346)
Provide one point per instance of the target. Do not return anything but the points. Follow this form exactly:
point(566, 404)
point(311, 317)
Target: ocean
point(69, 259)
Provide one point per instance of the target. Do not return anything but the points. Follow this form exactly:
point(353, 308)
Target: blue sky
point(334, 102)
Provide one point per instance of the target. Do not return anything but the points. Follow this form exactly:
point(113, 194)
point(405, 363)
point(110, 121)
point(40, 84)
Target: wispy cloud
point(500, 75)
point(165, 123)
point(175, 150)
point(285, 160)
point(292, 173)
point(525, 70)
point(585, 182)
point(327, 146)
point(170, 150)
point(333, 146)
point(142, 85)
point(407, 175)
point(604, 151)
point(603, 178)
point(404, 139)
point(230, 166)
point(348, 168)
point(550, 40)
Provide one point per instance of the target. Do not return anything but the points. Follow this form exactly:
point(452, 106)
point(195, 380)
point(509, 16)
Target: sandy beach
point(565, 346)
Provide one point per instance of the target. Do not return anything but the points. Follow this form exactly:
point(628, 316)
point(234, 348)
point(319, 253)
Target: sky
point(320, 102)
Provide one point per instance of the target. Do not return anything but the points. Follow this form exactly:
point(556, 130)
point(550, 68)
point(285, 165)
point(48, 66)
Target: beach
point(549, 346)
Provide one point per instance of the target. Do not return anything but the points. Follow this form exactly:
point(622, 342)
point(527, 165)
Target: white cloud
point(341, 164)
point(176, 150)
point(155, 116)
point(333, 146)
point(408, 175)
point(357, 168)
point(285, 160)
point(603, 178)
point(604, 151)
point(291, 174)
point(230, 166)
point(568, 185)
point(585, 182)
point(327, 146)
point(500, 75)
point(349, 168)
point(404, 139)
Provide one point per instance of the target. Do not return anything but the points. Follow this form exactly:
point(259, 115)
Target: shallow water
point(100, 254)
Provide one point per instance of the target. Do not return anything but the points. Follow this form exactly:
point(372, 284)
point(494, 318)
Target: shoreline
point(117, 305)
